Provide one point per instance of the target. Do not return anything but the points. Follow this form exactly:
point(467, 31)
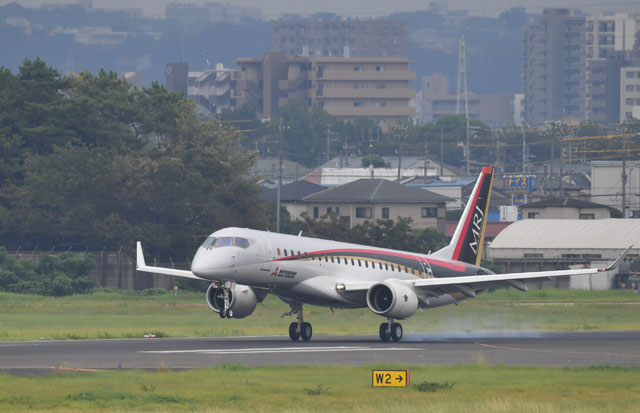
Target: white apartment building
point(629, 93)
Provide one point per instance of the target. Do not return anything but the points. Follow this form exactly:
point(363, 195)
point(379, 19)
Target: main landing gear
point(298, 329)
point(390, 331)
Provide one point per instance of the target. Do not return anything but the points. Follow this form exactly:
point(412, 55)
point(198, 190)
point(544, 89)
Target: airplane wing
point(516, 280)
point(141, 266)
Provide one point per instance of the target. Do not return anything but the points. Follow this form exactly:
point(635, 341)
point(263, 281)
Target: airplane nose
point(207, 262)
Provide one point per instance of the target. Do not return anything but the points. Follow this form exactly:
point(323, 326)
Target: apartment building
point(344, 87)
point(211, 90)
point(554, 67)
point(630, 92)
point(608, 39)
point(347, 38)
point(435, 100)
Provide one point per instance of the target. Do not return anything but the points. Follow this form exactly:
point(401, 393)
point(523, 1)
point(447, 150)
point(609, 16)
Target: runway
point(620, 348)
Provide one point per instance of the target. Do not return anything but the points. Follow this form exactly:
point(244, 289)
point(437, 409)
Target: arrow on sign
point(399, 378)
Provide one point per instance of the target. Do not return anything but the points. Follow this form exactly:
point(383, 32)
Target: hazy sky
point(355, 8)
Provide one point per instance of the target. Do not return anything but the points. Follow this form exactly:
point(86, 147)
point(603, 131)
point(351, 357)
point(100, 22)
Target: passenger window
point(338, 258)
point(380, 264)
point(386, 266)
point(366, 264)
point(332, 258)
point(278, 251)
point(399, 268)
point(352, 262)
point(392, 269)
point(299, 255)
point(285, 252)
point(326, 258)
point(359, 263)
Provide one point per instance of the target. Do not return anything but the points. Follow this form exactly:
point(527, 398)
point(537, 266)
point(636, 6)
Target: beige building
point(348, 38)
point(564, 208)
point(436, 100)
point(371, 199)
point(347, 88)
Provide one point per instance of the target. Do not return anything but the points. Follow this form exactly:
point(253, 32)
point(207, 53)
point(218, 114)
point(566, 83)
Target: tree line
point(88, 162)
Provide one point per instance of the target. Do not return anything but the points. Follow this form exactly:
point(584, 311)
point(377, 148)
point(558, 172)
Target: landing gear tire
point(294, 333)
point(384, 332)
point(306, 331)
point(221, 314)
point(396, 331)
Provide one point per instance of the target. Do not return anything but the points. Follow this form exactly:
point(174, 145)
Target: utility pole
point(281, 129)
point(426, 154)
point(497, 151)
point(441, 152)
point(329, 133)
point(400, 133)
point(371, 140)
point(624, 177)
point(462, 83)
point(524, 150)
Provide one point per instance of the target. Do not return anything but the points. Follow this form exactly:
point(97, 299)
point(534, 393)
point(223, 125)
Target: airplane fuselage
point(308, 270)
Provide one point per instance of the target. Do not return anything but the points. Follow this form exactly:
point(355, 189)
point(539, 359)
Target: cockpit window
point(242, 242)
point(208, 242)
point(223, 242)
point(213, 242)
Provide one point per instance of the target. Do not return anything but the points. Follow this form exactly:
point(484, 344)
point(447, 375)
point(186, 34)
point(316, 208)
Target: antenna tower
point(462, 83)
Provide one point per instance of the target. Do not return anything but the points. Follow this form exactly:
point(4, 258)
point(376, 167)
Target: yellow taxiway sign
point(390, 378)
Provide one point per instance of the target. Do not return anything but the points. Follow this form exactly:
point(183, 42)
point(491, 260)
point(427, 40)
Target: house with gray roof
point(372, 199)
point(292, 195)
point(564, 208)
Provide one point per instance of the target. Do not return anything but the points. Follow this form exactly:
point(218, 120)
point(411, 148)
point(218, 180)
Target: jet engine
point(392, 298)
point(242, 300)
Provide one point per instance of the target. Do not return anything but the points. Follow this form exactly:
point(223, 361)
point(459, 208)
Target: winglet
point(618, 260)
point(140, 256)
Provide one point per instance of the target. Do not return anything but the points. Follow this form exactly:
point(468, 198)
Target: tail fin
point(468, 239)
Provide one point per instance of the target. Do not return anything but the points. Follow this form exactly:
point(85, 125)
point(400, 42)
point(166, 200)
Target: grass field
point(117, 315)
point(329, 388)
point(318, 388)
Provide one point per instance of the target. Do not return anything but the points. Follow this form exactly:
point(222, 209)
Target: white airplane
point(244, 265)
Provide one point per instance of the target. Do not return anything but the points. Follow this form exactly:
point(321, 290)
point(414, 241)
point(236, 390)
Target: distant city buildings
point(554, 67)
point(210, 88)
point(581, 67)
point(435, 100)
point(344, 87)
point(188, 14)
point(346, 38)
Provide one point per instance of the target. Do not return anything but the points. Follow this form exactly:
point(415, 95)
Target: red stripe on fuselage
point(463, 234)
point(455, 266)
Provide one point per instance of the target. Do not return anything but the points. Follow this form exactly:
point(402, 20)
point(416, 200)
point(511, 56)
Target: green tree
point(376, 160)
point(103, 110)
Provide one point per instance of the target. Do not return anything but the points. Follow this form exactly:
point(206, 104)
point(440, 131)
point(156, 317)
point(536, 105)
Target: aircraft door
point(267, 255)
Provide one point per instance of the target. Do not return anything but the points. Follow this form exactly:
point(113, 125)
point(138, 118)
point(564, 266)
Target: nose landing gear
point(225, 296)
point(391, 331)
point(298, 329)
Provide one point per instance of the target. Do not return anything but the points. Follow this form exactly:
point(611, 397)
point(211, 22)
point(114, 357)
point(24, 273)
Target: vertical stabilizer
point(468, 239)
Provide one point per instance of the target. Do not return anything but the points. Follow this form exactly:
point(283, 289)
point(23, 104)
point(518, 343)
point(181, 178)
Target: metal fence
point(116, 269)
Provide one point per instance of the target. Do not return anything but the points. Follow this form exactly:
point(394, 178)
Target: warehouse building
point(550, 244)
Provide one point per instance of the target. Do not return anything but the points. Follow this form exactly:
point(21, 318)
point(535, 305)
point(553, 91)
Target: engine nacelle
point(242, 300)
point(393, 299)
